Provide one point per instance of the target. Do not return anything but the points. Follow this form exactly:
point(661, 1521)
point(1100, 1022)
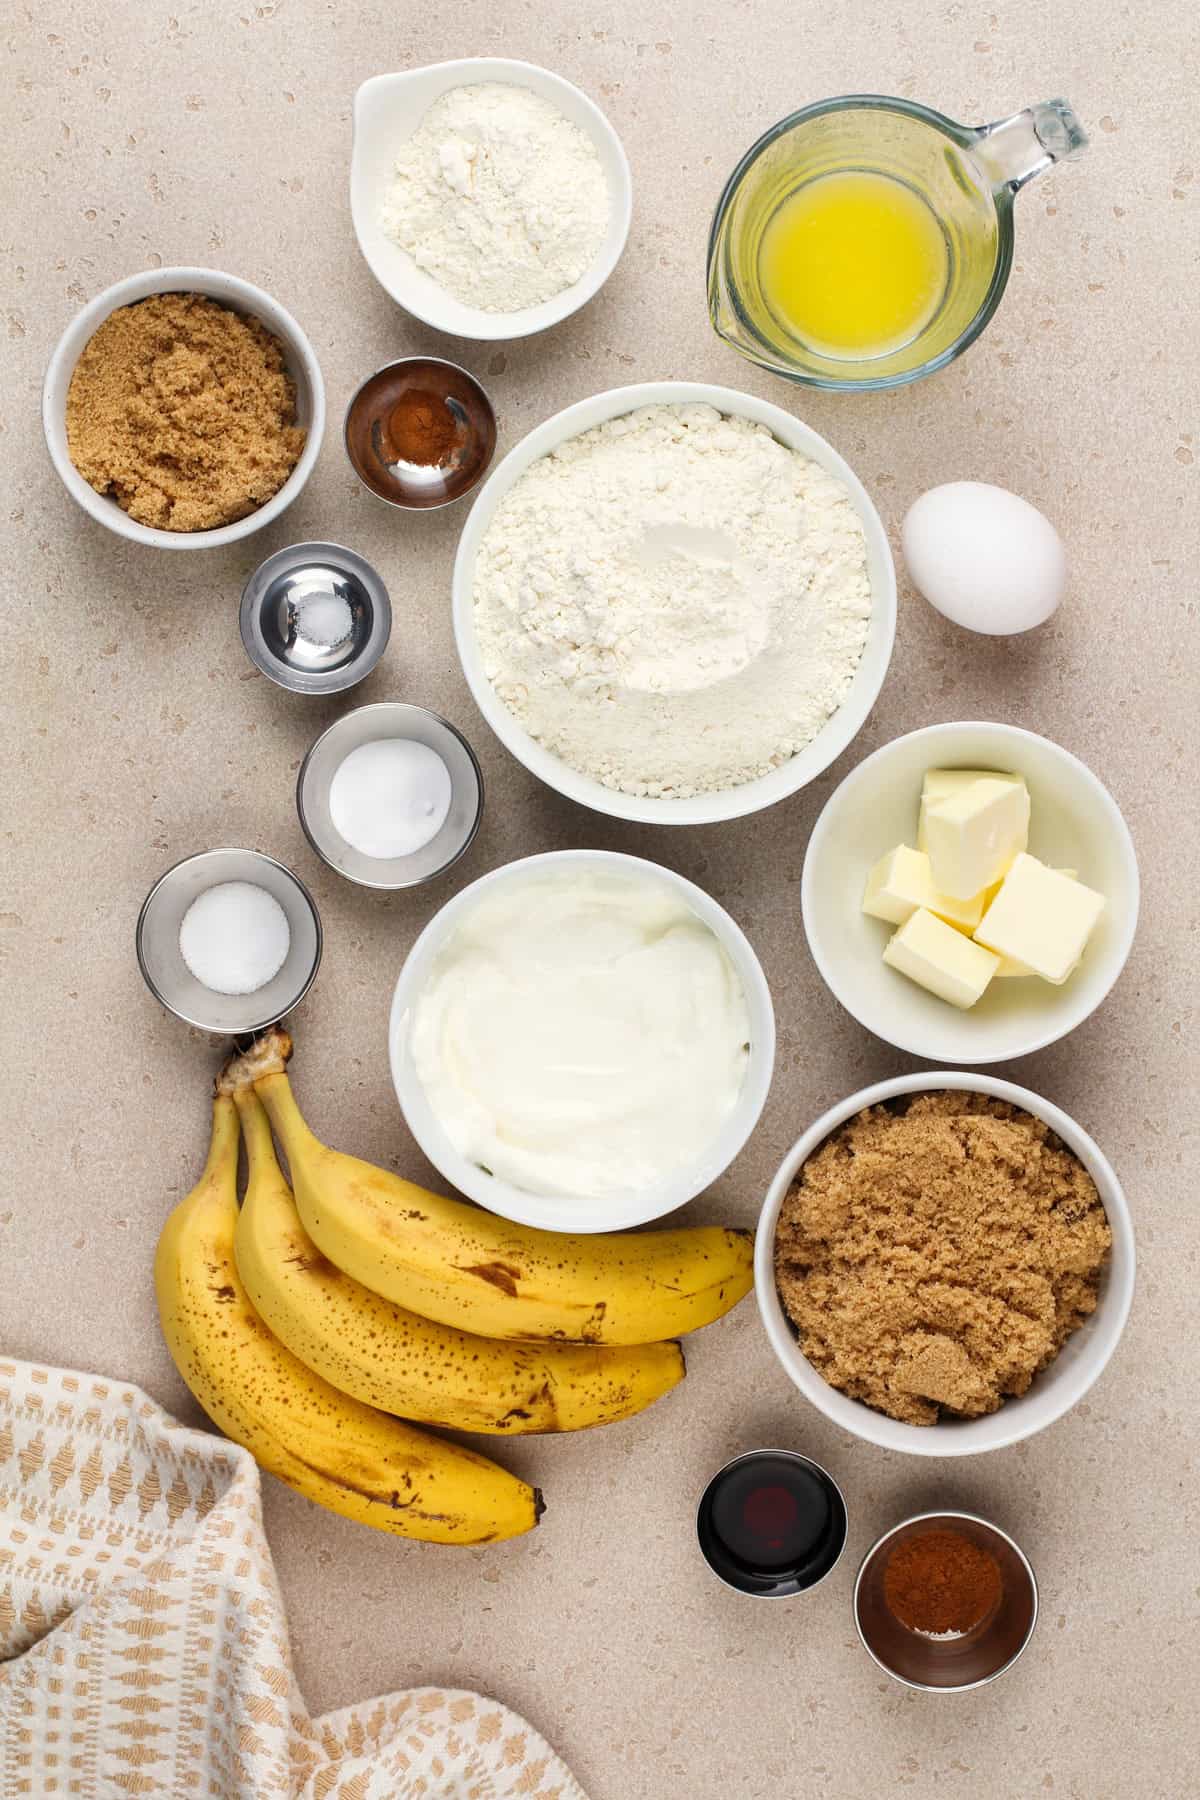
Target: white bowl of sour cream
point(582, 1041)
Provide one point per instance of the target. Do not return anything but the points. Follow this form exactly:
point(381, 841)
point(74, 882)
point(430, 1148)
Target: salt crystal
point(323, 620)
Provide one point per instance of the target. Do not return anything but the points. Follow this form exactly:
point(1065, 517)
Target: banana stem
point(275, 1092)
point(267, 1055)
point(223, 1143)
point(256, 1131)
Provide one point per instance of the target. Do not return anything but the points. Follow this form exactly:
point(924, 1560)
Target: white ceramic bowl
point(240, 296)
point(1075, 824)
point(570, 1213)
point(697, 809)
point(1057, 1389)
point(388, 109)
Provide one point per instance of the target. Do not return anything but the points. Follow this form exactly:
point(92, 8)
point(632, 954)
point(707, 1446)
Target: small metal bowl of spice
point(390, 795)
point(315, 618)
point(420, 433)
point(945, 1601)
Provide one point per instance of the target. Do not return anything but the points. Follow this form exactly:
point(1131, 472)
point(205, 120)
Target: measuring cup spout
point(1013, 151)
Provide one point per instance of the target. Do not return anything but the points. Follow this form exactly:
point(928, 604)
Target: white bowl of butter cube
point(970, 893)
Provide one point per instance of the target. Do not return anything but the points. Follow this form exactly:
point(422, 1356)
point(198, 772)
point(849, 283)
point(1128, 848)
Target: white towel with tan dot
point(143, 1645)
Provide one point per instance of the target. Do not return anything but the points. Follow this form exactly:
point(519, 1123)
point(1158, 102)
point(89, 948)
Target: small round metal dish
point(954, 1663)
point(772, 1524)
point(367, 725)
point(315, 618)
point(172, 982)
point(450, 403)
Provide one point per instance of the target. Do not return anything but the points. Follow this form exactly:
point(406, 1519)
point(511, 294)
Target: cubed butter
point(1010, 969)
point(939, 784)
point(932, 953)
point(1041, 917)
point(976, 834)
point(902, 881)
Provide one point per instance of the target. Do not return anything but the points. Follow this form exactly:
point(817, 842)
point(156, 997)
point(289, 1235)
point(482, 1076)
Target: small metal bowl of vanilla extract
point(771, 1524)
point(420, 433)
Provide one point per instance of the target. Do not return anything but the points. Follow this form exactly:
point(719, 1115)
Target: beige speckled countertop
point(219, 133)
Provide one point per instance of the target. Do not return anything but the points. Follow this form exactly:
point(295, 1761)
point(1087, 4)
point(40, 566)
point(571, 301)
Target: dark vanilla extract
point(772, 1523)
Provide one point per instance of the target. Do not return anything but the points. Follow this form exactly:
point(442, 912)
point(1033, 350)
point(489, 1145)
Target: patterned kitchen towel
point(143, 1646)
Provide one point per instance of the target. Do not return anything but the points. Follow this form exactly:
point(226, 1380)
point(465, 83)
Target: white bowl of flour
point(674, 603)
point(490, 198)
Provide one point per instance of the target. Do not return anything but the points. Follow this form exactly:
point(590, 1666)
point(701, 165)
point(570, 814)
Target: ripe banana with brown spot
point(332, 1449)
point(405, 1364)
point(464, 1267)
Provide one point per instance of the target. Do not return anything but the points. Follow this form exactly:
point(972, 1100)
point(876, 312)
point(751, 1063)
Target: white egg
point(984, 557)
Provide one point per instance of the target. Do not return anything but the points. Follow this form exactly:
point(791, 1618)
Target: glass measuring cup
point(967, 177)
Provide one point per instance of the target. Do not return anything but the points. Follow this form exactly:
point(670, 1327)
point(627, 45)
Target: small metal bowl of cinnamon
point(420, 433)
point(945, 1601)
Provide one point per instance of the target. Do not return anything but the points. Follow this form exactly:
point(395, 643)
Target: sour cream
point(581, 1034)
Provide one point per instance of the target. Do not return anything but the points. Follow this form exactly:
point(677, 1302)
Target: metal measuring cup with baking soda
point(315, 618)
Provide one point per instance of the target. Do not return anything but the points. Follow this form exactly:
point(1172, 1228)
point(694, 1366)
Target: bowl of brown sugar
point(183, 408)
point(944, 1263)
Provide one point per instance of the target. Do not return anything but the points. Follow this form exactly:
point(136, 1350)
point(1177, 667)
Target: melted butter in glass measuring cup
point(865, 241)
point(854, 264)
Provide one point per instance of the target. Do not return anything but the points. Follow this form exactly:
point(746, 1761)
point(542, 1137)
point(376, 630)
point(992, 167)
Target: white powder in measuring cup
point(235, 938)
point(323, 620)
point(390, 797)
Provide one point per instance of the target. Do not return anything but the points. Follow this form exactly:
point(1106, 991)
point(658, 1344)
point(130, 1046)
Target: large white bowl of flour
point(686, 626)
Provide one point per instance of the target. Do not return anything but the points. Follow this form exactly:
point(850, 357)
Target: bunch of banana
point(310, 1326)
point(403, 1363)
point(462, 1267)
point(330, 1447)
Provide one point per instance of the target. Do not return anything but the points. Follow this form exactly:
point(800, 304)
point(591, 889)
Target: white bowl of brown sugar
point(944, 1263)
point(183, 408)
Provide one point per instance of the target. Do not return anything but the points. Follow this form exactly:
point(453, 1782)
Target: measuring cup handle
point(1013, 151)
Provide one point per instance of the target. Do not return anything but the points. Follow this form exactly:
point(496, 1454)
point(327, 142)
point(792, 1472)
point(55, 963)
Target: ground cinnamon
point(940, 1583)
point(423, 429)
